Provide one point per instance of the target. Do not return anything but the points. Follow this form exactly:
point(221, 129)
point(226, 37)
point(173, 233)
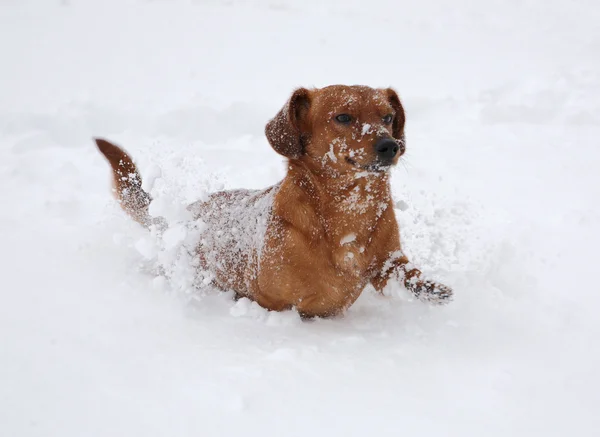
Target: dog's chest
point(351, 228)
point(350, 255)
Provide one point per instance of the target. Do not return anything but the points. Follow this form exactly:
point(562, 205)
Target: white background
point(500, 190)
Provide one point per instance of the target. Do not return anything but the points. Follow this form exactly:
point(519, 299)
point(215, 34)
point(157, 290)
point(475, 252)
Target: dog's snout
point(386, 149)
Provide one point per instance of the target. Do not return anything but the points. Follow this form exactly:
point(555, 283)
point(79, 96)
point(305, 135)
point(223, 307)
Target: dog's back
point(233, 222)
point(233, 236)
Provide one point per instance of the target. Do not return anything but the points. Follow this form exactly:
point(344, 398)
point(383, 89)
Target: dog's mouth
point(378, 167)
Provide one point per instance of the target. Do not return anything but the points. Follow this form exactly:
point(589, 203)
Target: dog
point(315, 240)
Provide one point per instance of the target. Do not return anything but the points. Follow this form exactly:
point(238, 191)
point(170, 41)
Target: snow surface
point(497, 197)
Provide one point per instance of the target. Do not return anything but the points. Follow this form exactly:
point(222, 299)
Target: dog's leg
point(398, 268)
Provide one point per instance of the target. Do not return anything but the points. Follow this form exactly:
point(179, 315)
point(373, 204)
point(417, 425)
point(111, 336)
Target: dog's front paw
point(432, 292)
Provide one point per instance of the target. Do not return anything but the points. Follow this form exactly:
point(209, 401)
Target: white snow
point(331, 153)
point(349, 238)
point(499, 194)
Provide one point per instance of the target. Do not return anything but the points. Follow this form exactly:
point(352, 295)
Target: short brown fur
point(332, 228)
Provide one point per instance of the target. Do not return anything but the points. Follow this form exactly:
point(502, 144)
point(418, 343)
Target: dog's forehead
point(354, 97)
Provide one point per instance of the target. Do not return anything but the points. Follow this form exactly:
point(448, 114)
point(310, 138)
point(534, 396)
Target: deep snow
point(498, 197)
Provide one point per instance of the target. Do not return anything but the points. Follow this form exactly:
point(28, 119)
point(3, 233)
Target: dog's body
point(316, 239)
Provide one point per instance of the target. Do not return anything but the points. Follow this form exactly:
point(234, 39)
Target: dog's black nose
point(386, 149)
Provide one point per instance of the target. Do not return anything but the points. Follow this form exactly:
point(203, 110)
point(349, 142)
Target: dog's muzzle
point(386, 150)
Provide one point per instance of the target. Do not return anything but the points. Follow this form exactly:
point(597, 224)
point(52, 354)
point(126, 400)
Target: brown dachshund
point(316, 239)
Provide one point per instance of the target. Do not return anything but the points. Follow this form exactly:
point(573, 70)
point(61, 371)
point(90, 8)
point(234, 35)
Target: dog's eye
point(388, 119)
point(343, 118)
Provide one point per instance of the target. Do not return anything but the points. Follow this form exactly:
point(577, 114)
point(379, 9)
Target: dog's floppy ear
point(399, 117)
point(288, 130)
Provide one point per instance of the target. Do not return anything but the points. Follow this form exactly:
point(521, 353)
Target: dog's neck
point(350, 204)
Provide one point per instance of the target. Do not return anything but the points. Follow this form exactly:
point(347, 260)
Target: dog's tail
point(127, 182)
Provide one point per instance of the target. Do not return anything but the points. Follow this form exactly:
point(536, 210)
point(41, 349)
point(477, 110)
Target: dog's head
point(340, 128)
